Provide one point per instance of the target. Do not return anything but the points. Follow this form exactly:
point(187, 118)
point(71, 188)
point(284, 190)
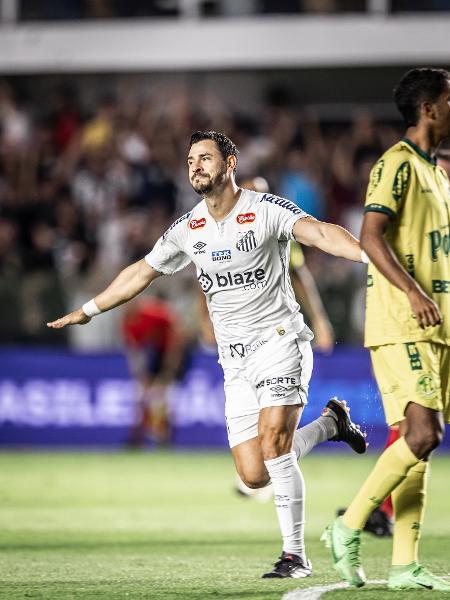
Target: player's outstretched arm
point(383, 257)
point(130, 282)
point(328, 237)
point(308, 296)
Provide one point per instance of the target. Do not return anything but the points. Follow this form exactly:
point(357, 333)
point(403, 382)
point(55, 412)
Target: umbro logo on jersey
point(245, 218)
point(199, 248)
point(197, 223)
point(246, 241)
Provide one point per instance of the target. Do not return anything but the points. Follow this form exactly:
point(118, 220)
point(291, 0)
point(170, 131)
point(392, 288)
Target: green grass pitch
point(168, 526)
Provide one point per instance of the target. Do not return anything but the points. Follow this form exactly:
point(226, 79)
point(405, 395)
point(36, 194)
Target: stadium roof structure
point(264, 42)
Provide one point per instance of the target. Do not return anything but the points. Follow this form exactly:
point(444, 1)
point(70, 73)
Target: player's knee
point(255, 482)
point(274, 443)
point(424, 441)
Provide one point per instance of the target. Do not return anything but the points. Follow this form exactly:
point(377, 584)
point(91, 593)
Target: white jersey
point(242, 266)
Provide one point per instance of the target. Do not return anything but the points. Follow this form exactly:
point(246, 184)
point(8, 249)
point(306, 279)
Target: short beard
point(213, 185)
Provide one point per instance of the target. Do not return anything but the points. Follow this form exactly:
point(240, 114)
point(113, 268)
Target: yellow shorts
point(412, 372)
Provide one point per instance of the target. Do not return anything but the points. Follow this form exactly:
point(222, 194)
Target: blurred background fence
point(98, 99)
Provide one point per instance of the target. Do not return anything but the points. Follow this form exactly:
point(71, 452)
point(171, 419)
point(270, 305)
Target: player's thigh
point(407, 372)
point(249, 463)
point(445, 381)
point(241, 408)
point(281, 373)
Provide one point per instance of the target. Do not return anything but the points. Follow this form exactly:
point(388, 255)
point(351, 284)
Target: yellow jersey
point(297, 258)
point(407, 185)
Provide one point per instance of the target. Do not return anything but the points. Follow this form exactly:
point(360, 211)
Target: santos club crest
point(246, 241)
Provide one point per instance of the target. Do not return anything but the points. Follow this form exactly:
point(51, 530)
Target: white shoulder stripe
point(175, 223)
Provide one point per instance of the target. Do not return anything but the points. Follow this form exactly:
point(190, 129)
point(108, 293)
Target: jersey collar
point(419, 151)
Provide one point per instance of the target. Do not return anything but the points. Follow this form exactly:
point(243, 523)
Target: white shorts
point(276, 374)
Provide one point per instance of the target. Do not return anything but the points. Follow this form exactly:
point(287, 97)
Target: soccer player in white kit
point(238, 241)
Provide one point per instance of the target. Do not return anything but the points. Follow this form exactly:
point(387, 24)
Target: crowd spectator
point(88, 186)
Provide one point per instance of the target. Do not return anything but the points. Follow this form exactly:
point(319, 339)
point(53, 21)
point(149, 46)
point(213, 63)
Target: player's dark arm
point(328, 237)
point(383, 257)
point(306, 292)
point(130, 282)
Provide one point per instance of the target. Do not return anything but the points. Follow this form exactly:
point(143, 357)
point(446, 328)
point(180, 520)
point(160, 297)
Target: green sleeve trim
point(380, 208)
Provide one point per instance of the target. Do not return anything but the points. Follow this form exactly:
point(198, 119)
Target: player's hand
point(424, 308)
point(77, 317)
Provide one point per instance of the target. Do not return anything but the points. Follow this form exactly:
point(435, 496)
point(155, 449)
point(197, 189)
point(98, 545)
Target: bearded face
point(207, 168)
point(206, 183)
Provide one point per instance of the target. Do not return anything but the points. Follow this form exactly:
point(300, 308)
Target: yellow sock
point(408, 500)
point(390, 470)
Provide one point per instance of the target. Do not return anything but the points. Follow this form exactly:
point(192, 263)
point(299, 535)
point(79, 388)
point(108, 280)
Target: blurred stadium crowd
point(110, 9)
point(86, 187)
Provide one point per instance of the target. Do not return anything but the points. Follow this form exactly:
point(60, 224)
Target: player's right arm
point(384, 259)
point(390, 179)
point(130, 282)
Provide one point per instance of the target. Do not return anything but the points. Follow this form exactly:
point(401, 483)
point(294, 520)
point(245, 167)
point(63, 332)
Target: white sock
point(320, 430)
point(289, 490)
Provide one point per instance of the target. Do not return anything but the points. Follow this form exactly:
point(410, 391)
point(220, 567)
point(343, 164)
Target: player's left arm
point(330, 238)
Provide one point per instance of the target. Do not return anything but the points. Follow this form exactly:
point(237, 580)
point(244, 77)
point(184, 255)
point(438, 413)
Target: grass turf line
point(168, 526)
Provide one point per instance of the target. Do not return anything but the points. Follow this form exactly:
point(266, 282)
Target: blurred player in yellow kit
point(406, 236)
point(304, 285)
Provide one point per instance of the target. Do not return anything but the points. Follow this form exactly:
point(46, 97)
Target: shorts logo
point(246, 241)
point(242, 350)
point(199, 248)
point(245, 218)
point(197, 223)
point(237, 349)
point(278, 389)
point(221, 255)
point(415, 361)
point(205, 281)
point(425, 386)
point(276, 383)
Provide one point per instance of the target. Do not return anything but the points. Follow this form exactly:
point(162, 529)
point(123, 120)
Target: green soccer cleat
point(344, 543)
point(415, 577)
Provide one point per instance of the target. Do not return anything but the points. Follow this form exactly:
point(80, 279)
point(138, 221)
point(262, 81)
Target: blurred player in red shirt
point(155, 350)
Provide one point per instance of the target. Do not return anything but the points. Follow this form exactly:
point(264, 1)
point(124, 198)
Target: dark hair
point(417, 86)
point(226, 146)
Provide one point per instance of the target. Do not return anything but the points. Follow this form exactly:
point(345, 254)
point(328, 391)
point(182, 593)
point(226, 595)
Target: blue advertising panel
point(61, 398)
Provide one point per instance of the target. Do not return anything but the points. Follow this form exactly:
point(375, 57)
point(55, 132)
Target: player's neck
point(424, 138)
point(222, 202)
